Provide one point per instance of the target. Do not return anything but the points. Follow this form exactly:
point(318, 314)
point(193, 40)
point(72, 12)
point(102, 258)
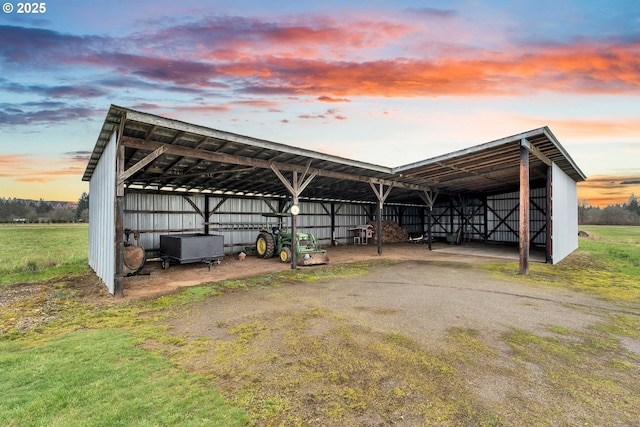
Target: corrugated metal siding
point(349, 216)
point(564, 214)
point(503, 216)
point(447, 219)
point(156, 214)
point(238, 220)
point(102, 216)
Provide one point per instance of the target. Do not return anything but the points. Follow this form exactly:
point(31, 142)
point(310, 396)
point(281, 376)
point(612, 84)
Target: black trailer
point(190, 248)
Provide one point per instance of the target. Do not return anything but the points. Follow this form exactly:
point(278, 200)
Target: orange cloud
point(608, 128)
point(9, 160)
point(603, 190)
point(31, 169)
point(572, 68)
point(301, 37)
point(590, 128)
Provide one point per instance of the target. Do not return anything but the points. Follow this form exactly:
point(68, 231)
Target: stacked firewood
point(391, 232)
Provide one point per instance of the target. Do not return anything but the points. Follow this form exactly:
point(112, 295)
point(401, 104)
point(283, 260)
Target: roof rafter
point(141, 144)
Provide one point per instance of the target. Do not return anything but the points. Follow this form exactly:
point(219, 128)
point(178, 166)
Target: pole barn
point(151, 176)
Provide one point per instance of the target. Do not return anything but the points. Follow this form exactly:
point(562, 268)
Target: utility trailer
point(191, 248)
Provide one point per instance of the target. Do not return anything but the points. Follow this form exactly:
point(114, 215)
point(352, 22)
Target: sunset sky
point(385, 82)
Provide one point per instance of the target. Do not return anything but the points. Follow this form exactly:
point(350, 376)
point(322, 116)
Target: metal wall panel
point(155, 214)
point(102, 216)
point(503, 217)
point(239, 220)
point(564, 214)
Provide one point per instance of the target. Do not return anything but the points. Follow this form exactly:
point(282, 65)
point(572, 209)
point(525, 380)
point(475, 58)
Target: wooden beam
point(214, 156)
point(195, 207)
point(206, 218)
point(468, 171)
point(523, 240)
point(382, 195)
point(142, 163)
point(535, 151)
point(503, 221)
point(429, 197)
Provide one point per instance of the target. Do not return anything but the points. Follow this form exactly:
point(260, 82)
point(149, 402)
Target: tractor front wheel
point(285, 254)
point(265, 245)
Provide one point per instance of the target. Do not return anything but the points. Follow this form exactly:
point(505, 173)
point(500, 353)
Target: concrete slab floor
point(493, 250)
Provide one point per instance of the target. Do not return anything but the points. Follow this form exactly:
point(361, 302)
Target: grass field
point(617, 246)
point(606, 265)
point(36, 252)
point(68, 360)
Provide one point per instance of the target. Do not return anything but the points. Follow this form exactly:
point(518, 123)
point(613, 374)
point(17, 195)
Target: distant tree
point(583, 209)
point(616, 215)
point(633, 204)
point(62, 215)
point(84, 215)
point(32, 215)
point(11, 209)
point(82, 209)
point(43, 207)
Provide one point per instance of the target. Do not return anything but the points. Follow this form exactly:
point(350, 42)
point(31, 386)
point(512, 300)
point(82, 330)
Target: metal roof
point(494, 166)
point(171, 155)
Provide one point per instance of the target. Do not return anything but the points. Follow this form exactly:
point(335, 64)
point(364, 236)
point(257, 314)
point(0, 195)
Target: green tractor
point(275, 240)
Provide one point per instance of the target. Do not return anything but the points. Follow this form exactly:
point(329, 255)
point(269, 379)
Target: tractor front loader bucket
point(313, 258)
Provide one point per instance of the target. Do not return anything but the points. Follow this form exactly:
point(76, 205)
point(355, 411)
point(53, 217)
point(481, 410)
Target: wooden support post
point(294, 226)
point(549, 245)
point(119, 223)
point(485, 202)
point(380, 208)
point(295, 188)
point(523, 239)
point(334, 242)
point(382, 196)
point(430, 197)
point(206, 214)
point(429, 233)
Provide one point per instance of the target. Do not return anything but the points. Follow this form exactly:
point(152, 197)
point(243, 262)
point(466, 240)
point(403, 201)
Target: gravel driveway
point(416, 342)
point(422, 299)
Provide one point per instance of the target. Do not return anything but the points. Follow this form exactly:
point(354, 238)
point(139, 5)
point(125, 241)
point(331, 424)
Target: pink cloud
point(28, 168)
point(331, 99)
point(331, 59)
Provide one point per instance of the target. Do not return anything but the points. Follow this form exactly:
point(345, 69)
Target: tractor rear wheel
point(265, 245)
point(285, 254)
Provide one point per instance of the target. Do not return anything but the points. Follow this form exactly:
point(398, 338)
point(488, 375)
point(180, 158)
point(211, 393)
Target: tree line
point(618, 214)
point(28, 211)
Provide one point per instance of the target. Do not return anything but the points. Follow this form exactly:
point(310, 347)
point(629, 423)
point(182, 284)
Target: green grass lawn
point(102, 378)
point(37, 252)
point(606, 265)
point(618, 234)
point(618, 247)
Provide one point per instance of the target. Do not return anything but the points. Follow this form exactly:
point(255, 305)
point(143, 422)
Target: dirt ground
point(428, 292)
point(421, 298)
point(155, 281)
point(426, 297)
